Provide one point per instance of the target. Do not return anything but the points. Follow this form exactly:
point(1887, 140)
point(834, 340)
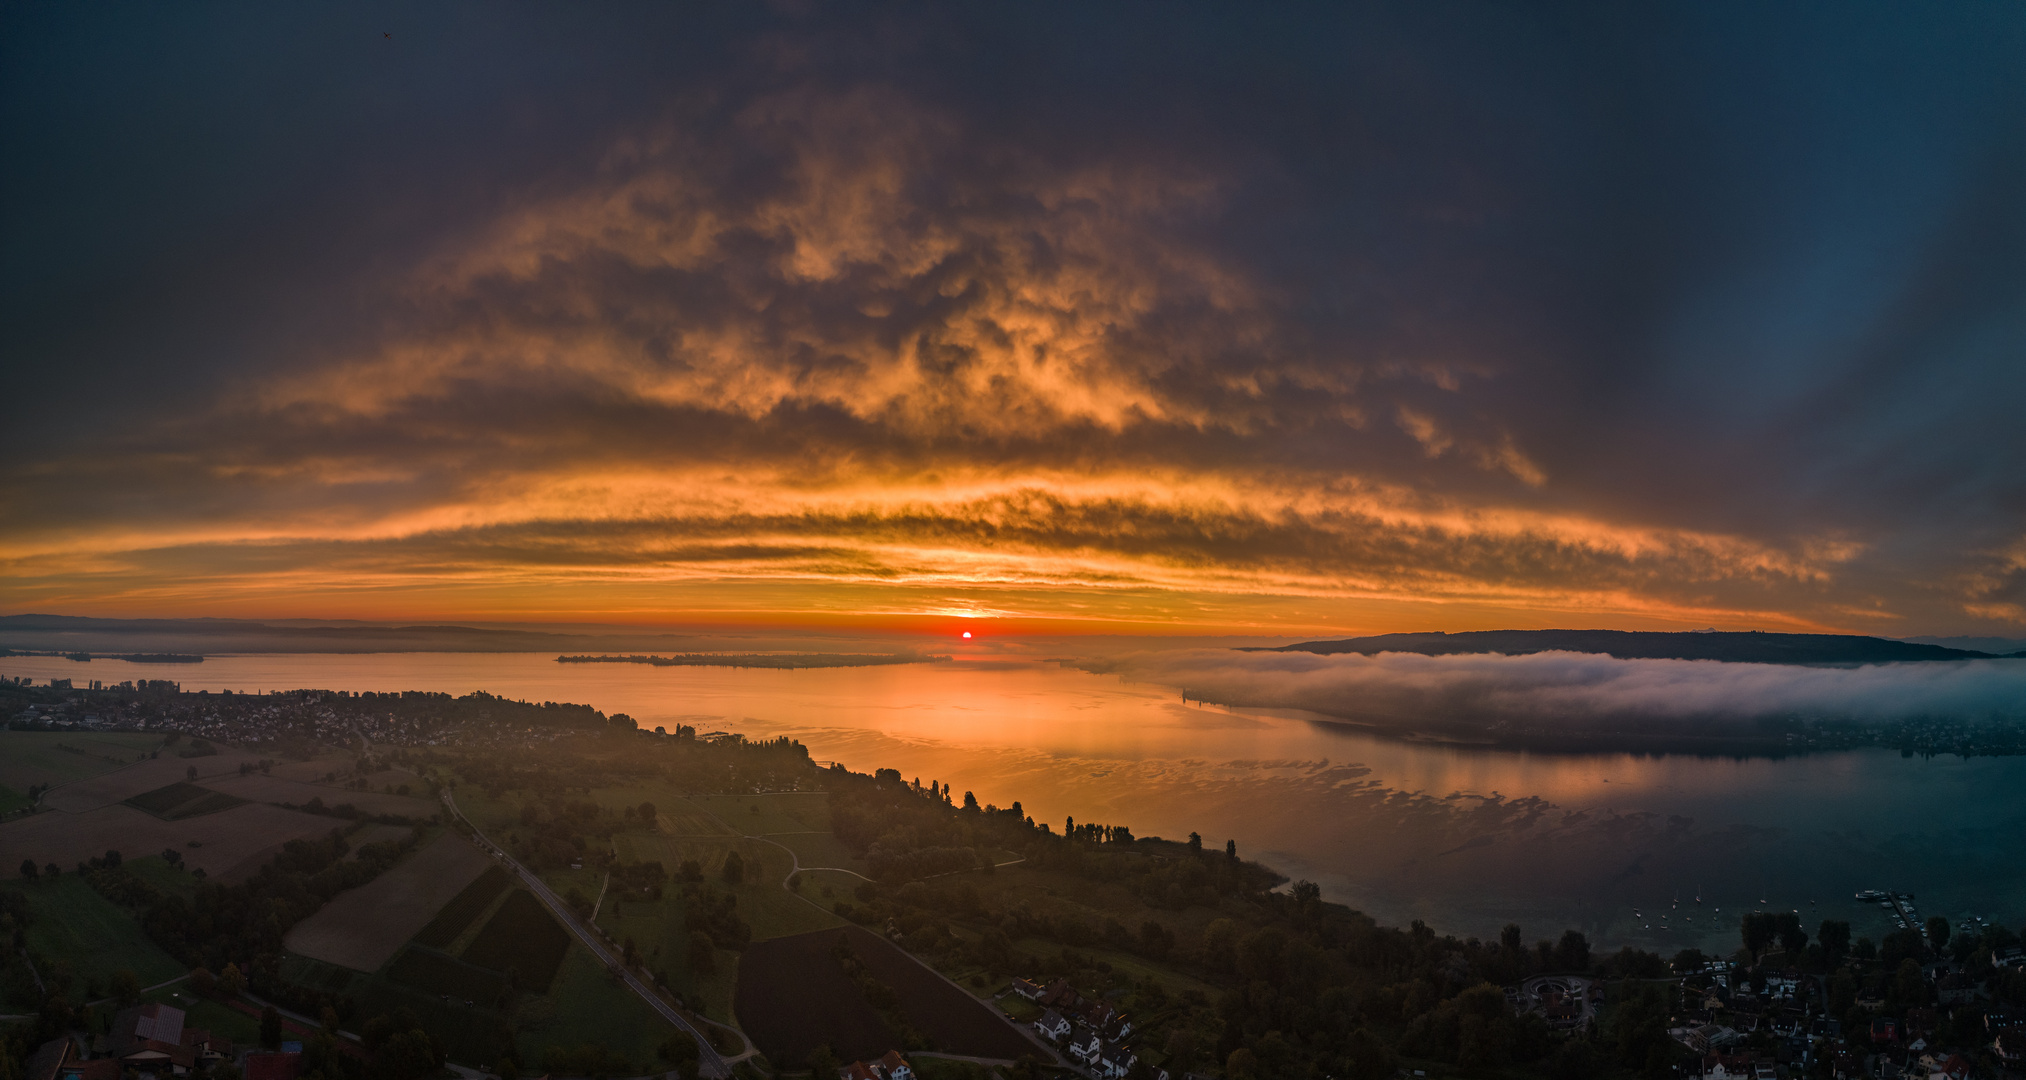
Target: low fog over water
point(1465, 838)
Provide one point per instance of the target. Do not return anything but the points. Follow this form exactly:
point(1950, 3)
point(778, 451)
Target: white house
point(1052, 1026)
point(1113, 1062)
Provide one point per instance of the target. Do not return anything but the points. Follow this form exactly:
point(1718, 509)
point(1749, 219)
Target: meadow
point(364, 927)
point(524, 937)
point(72, 924)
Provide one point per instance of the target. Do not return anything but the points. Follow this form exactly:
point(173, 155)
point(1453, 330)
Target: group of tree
point(1312, 988)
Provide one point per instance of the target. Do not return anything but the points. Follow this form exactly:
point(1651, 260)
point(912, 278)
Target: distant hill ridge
point(1749, 647)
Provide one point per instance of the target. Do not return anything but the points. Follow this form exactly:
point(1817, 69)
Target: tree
point(1758, 928)
point(647, 812)
point(823, 1062)
point(1792, 938)
point(1231, 851)
point(53, 870)
point(703, 955)
point(1938, 932)
point(29, 870)
point(1909, 986)
point(970, 802)
point(735, 868)
point(681, 1053)
point(124, 987)
point(270, 1027)
point(1195, 843)
point(1573, 953)
point(202, 982)
point(1834, 936)
point(231, 982)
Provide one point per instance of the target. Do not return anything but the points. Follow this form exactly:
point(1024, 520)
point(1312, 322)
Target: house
point(1710, 1037)
point(1721, 1066)
point(1052, 1026)
point(1029, 989)
point(1847, 1066)
point(1113, 1062)
point(1084, 1046)
point(1956, 989)
point(48, 1058)
point(1885, 1030)
point(209, 1047)
point(1941, 1066)
point(891, 1066)
point(151, 1038)
point(2010, 1046)
point(2013, 956)
point(1059, 995)
point(1920, 1023)
point(162, 1023)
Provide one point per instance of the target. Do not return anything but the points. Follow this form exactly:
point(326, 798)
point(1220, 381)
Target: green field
point(464, 909)
point(521, 935)
point(656, 929)
point(179, 800)
point(590, 1005)
point(203, 1013)
point(157, 872)
point(820, 850)
point(434, 973)
point(73, 924)
point(304, 971)
point(757, 815)
point(11, 800)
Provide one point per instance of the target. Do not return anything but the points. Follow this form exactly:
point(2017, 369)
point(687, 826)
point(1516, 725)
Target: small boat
point(1870, 895)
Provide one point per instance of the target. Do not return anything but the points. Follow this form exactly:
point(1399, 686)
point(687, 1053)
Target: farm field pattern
point(362, 928)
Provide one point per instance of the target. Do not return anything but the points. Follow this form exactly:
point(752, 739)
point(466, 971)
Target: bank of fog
point(1576, 692)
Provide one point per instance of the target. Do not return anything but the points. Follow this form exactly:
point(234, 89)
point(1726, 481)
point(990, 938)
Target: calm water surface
point(1467, 839)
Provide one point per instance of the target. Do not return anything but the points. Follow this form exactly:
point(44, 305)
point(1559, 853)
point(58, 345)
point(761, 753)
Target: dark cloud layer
point(1695, 314)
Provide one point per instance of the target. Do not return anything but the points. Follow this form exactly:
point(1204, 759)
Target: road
point(710, 1062)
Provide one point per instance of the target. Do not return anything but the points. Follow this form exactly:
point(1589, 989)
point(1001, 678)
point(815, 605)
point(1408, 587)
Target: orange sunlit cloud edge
point(847, 398)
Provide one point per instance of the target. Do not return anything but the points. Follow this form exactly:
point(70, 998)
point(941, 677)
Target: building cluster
point(1091, 1032)
point(1566, 1002)
point(1781, 1027)
point(154, 1040)
point(327, 717)
point(892, 1066)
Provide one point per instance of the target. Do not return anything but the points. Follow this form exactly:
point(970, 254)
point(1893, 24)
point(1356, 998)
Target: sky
point(1129, 318)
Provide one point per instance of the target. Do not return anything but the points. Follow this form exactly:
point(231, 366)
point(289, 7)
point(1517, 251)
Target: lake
point(1467, 839)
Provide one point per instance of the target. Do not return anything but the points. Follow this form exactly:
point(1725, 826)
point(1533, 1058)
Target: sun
point(967, 635)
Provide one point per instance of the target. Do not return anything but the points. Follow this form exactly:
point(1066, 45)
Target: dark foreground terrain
point(794, 996)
